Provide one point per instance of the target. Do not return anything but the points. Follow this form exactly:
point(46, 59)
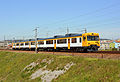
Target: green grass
point(84, 70)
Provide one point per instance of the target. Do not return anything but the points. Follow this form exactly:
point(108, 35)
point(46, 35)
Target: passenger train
point(75, 42)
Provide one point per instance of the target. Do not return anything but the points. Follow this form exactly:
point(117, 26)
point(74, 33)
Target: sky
point(19, 18)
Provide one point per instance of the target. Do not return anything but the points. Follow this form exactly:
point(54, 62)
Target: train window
point(17, 44)
point(21, 44)
point(13, 44)
point(26, 43)
point(32, 43)
point(61, 41)
point(49, 42)
point(54, 41)
point(74, 40)
point(80, 40)
point(41, 42)
point(84, 38)
point(92, 38)
point(68, 40)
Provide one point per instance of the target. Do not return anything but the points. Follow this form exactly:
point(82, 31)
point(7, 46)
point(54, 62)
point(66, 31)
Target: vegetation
point(112, 49)
point(85, 69)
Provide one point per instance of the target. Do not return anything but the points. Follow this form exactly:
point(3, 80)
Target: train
point(74, 42)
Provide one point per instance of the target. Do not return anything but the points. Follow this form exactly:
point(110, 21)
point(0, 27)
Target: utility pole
point(23, 37)
point(13, 40)
point(54, 33)
point(67, 30)
point(36, 39)
point(4, 41)
point(85, 30)
point(47, 34)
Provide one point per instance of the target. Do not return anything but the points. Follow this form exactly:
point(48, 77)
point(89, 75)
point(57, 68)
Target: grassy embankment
point(85, 69)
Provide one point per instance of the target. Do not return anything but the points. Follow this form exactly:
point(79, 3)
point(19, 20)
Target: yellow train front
point(74, 42)
point(91, 41)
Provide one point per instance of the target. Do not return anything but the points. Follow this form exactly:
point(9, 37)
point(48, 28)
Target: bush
point(114, 49)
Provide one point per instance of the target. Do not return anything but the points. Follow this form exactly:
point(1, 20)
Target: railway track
point(101, 52)
point(98, 54)
point(108, 52)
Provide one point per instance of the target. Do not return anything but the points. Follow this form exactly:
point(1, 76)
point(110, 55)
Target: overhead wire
point(88, 18)
point(95, 22)
point(88, 13)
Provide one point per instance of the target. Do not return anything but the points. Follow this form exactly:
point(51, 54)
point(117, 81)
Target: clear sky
point(18, 18)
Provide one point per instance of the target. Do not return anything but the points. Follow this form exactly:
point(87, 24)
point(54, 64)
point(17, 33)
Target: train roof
point(55, 37)
point(60, 36)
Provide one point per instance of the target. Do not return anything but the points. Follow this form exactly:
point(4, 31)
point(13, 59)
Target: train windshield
point(93, 38)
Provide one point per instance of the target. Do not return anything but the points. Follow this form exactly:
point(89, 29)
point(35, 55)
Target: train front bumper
point(92, 48)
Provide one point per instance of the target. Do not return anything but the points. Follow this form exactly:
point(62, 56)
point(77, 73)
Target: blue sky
point(18, 18)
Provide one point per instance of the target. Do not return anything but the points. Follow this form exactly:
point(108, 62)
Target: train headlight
point(88, 43)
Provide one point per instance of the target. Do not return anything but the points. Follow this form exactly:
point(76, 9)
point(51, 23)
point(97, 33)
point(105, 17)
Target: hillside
point(24, 67)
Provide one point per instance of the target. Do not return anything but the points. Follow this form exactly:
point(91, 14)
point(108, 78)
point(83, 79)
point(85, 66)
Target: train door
point(54, 44)
point(29, 45)
point(84, 41)
point(15, 45)
point(19, 45)
point(68, 43)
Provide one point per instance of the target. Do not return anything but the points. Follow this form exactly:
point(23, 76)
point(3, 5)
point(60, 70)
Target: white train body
point(70, 41)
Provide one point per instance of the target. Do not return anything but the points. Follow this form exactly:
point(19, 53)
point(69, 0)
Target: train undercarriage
point(91, 48)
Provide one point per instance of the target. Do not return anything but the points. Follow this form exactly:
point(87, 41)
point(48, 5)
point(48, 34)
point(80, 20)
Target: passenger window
point(61, 41)
point(26, 43)
point(41, 42)
point(54, 41)
point(17, 44)
point(32, 43)
point(21, 44)
point(13, 44)
point(49, 42)
point(74, 40)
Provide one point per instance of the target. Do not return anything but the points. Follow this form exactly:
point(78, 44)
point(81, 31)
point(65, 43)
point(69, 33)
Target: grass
point(84, 70)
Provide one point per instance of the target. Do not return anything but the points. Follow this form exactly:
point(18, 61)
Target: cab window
point(93, 38)
point(84, 38)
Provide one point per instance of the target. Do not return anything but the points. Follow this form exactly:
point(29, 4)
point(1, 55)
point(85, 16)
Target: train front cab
point(91, 41)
